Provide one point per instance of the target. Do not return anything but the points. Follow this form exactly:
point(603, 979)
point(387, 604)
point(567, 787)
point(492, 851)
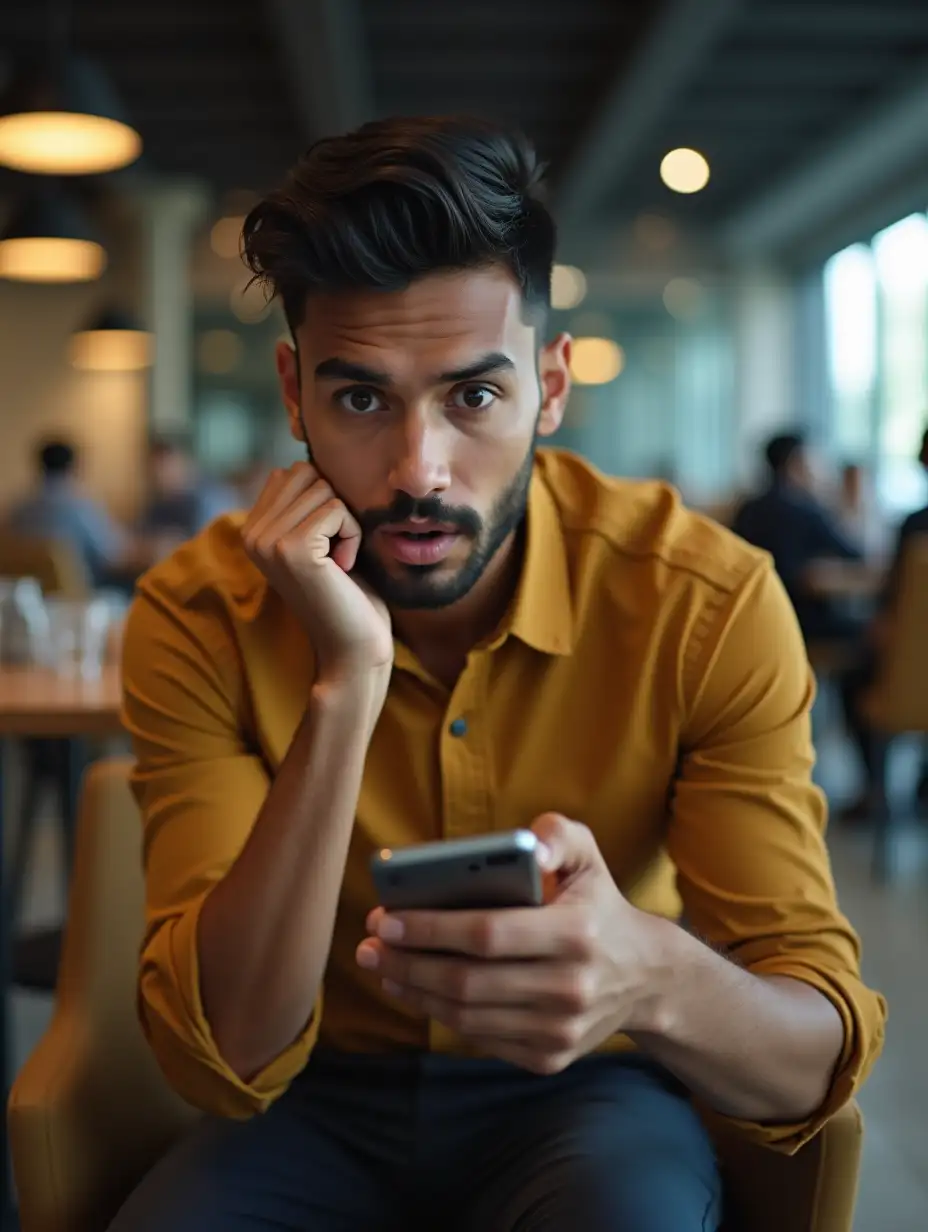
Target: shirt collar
point(541, 614)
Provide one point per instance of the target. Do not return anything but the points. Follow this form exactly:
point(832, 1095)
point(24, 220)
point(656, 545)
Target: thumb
point(568, 846)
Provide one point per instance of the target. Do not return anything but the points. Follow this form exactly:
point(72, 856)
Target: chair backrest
point(90, 1111)
point(56, 565)
point(899, 701)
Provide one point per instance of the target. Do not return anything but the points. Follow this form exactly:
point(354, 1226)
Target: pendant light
point(112, 342)
point(63, 117)
point(49, 240)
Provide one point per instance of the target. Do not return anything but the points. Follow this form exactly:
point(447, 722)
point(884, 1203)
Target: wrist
point(669, 965)
point(359, 694)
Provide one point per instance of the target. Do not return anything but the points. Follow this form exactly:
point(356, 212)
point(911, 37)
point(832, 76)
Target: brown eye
point(473, 397)
point(360, 400)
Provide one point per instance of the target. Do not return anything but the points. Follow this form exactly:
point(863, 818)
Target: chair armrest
point(77, 1143)
point(813, 1190)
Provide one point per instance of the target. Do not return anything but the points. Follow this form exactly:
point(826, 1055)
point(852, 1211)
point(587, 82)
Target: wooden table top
point(37, 702)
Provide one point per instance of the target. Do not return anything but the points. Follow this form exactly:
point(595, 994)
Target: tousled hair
point(397, 200)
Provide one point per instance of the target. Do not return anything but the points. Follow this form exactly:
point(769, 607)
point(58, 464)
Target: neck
point(454, 630)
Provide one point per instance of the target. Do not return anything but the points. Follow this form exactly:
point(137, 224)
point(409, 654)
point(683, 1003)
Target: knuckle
point(459, 983)
point(566, 1035)
point(585, 932)
point(578, 991)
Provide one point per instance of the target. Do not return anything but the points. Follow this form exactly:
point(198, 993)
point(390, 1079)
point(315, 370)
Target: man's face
point(421, 409)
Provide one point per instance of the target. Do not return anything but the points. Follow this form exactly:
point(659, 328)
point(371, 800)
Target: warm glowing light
point(596, 361)
point(219, 351)
point(226, 235)
point(250, 304)
point(111, 350)
point(51, 259)
point(568, 286)
point(683, 298)
point(66, 143)
point(685, 171)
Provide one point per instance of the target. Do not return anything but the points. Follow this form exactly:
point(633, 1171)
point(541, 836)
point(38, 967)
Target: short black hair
point(780, 451)
point(56, 457)
point(399, 199)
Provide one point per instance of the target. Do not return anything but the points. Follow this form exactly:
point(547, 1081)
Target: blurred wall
point(42, 394)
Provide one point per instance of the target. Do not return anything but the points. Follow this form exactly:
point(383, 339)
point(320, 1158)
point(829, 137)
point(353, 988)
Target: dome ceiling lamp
point(111, 342)
point(62, 117)
point(48, 240)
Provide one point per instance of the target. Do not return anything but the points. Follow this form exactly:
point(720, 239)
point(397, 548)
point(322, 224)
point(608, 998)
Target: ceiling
point(232, 90)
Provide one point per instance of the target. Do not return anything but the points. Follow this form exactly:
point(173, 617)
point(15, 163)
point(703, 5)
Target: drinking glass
point(77, 636)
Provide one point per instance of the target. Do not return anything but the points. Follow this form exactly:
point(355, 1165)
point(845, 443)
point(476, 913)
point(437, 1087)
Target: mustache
point(405, 506)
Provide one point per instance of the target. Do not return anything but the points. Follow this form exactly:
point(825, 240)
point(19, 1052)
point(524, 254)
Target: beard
point(425, 587)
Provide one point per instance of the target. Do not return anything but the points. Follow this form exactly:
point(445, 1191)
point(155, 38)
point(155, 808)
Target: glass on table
point(23, 621)
point(77, 636)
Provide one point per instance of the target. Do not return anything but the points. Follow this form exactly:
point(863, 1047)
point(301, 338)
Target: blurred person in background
point(432, 627)
point(181, 500)
point(59, 510)
point(798, 530)
point(872, 747)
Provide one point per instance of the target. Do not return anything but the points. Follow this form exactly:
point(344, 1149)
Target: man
point(182, 502)
point(58, 510)
point(798, 531)
point(428, 631)
point(873, 747)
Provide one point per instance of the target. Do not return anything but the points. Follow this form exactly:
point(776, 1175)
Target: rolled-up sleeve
point(200, 789)
point(747, 827)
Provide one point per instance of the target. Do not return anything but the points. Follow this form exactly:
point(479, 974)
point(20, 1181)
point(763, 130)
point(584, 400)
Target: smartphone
point(492, 870)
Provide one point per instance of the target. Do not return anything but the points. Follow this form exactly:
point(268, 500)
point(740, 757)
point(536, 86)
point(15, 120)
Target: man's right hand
point(304, 540)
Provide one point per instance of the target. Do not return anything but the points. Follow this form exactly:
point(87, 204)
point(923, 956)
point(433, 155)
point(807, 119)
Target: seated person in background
point(799, 532)
point(856, 683)
point(432, 629)
point(60, 511)
point(181, 501)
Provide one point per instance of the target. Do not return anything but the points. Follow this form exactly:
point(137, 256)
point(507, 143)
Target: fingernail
point(390, 929)
point(367, 957)
point(391, 987)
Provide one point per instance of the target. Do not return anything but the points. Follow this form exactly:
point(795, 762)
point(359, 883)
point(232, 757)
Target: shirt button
point(458, 727)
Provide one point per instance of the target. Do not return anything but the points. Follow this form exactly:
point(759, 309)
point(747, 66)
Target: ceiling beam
point(671, 51)
point(888, 142)
point(322, 50)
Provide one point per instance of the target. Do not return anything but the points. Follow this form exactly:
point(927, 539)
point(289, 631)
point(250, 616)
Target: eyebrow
point(350, 370)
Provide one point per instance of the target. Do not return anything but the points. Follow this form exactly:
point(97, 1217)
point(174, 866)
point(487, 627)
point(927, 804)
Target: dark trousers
point(445, 1144)
point(872, 746)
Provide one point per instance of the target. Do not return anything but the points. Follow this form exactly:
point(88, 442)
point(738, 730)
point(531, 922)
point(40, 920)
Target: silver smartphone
point(493, 870)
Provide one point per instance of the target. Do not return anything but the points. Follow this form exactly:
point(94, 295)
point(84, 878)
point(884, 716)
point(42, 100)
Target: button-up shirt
point(648, 679)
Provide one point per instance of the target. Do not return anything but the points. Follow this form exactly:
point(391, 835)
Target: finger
point(464, 980)
point(332, 521)
point(516, 1024)
point(280, 493)
point(570, 845)
point(552, 931)
point(526, 1054)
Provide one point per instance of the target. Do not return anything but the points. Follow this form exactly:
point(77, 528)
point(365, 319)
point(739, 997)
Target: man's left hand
point(537, 986)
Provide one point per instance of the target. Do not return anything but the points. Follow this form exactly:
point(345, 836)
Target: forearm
point(265, 930)
point(754, 1047)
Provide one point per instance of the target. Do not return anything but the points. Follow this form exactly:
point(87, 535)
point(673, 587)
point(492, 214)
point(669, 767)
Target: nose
point(420, 464)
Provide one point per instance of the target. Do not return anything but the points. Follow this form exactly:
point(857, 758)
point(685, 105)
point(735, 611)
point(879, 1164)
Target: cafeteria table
point(35, 702)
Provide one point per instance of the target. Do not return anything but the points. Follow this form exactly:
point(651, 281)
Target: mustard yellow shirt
point(649, 680)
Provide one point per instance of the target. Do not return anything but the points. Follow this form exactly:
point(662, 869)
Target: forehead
point(428, 326)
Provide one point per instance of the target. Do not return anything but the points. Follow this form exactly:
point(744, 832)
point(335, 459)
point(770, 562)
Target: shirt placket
point(466, 770)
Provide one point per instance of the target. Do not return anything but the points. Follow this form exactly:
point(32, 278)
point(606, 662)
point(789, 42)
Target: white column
point(172, 212)
point(765, 331)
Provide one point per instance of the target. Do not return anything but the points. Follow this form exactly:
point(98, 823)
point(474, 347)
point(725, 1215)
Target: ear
point(554, 374)
point(288, 374)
